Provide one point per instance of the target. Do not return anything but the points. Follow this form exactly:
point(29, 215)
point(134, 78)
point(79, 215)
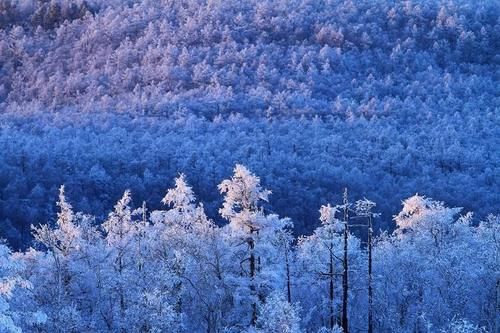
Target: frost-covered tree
point(431, 249)
point(458, 325)
point(9, 280)
point(253, 235)
point(424, 215)
point(191, 243)
point(63, 244)
point(64, 238)
point(363, 208)
point(277, 315)
point(320, 260)
point(120, 232)
point(175, 270)
point(243, 194)
point(181, 197)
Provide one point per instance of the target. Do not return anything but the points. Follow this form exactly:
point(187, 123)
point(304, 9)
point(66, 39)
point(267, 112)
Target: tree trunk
point(497, 306)
point(252, 275)
point(59, 291)
point(288, 282)
point(332, 310)
point(370, 287)
point(121, 291)
point(345, 285)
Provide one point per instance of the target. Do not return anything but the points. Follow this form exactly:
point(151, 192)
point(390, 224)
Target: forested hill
point(259, 58)
point(387, 98)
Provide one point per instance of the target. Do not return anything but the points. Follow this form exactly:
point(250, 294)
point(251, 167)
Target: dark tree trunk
point(252, 275)
point(345, 284)
point(288, 282)
point(332, 310)
point(370, 287)
point(121, 293)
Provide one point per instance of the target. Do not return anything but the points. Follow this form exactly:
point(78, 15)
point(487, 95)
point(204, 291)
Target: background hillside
point(385, 97)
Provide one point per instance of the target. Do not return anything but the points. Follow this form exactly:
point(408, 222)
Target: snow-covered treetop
point(424, 213)
point(184, 212)
point(242, 192)
point(364, 207)
point(68, 229)
point(67, 232)
point(328, 217)
point(119, 223)
point(181, 197)
point(65, 216)
point(416, 205)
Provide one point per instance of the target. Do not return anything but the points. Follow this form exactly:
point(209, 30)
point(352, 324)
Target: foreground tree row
point(174, 270)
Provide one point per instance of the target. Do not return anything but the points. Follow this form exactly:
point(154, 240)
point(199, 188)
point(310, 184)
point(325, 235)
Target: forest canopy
point(388, 98)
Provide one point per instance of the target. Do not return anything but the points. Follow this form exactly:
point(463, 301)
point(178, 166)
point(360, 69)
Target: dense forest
point(387, 98)
point(104, 102)
point(174, 270)
point(98, 160)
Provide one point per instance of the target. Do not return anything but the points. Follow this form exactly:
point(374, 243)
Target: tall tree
point(120, 236)
point(187, 234)
point(345, 264)
point(241, 206)
point(320, 259)
point(363, 208)
point(329, 221)
point(63, 241)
